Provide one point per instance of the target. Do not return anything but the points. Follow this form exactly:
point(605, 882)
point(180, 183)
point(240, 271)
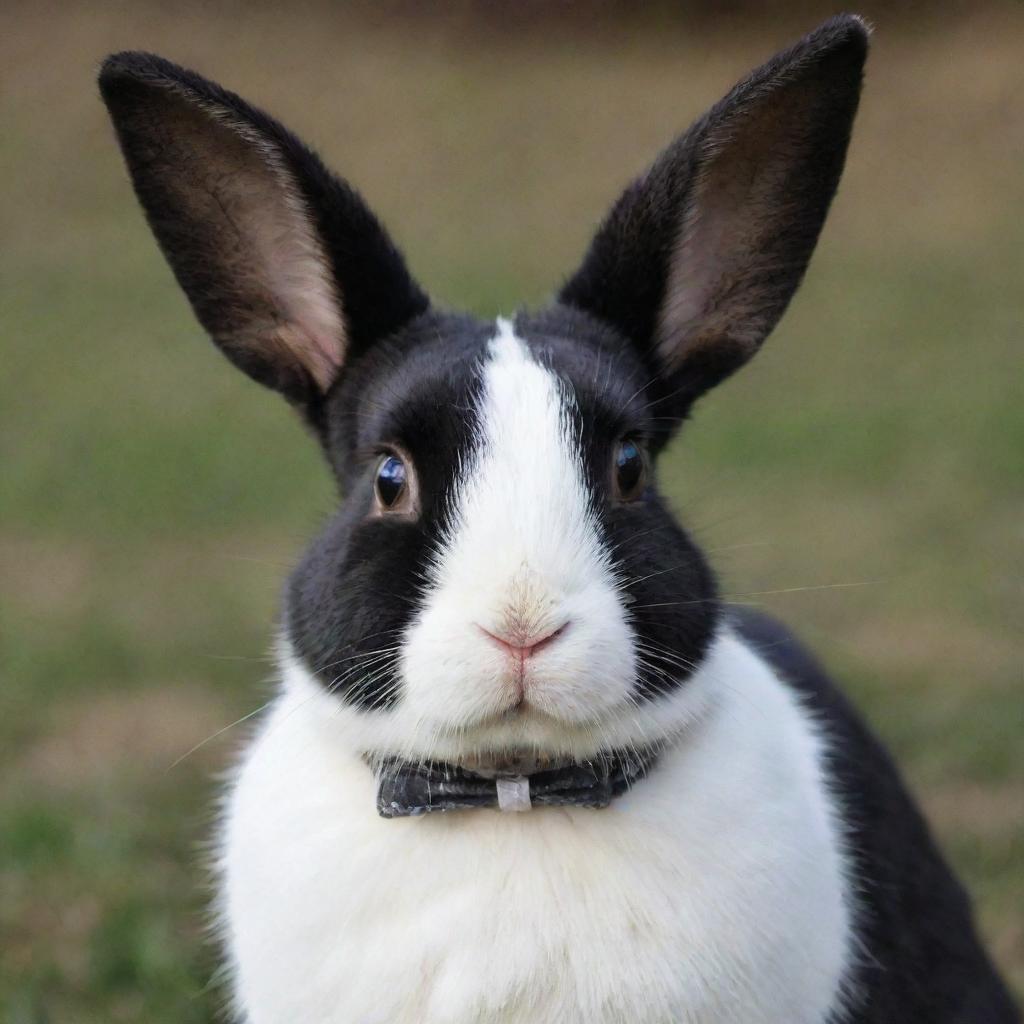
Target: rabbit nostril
point(520, 645)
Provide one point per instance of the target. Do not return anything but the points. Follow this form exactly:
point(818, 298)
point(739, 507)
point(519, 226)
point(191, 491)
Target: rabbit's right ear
point(282, 262)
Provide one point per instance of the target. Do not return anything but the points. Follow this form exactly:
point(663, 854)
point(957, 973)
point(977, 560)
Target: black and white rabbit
point(503, 614)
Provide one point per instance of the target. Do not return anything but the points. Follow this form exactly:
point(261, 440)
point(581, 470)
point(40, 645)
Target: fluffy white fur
point(713, 892)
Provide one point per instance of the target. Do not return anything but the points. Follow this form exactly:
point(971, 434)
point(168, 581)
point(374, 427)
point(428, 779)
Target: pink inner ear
point(696, 272)
point(314, 328)
point(723, 254)
point(279, 300)
point(289, 259)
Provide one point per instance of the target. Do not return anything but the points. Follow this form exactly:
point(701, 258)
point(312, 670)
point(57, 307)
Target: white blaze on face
point(523, 555)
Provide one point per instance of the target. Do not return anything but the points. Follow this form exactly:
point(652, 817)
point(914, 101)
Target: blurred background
point(863, 478)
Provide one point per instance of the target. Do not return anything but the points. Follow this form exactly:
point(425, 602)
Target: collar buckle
point(514, 794)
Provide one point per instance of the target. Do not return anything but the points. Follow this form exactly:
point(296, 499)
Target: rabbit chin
point(467, 717)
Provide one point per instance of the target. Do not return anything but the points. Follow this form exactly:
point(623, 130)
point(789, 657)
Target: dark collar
point(407, 788)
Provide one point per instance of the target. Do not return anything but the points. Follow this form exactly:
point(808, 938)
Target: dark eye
point(630, 470)
point(391, 481)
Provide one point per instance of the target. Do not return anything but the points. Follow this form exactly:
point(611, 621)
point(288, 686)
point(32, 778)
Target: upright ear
point(282, 262)
point(700, 256)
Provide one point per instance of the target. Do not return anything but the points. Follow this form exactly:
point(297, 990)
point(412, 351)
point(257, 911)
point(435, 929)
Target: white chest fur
point(713, 892)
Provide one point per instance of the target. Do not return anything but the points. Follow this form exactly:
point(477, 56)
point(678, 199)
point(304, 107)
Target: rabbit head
point(501, 573)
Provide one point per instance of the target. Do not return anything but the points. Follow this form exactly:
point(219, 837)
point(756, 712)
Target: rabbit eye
point(629, 470)
point(391, 484)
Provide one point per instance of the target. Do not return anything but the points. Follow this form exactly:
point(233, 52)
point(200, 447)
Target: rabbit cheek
point(341, 616)
point(670, 594)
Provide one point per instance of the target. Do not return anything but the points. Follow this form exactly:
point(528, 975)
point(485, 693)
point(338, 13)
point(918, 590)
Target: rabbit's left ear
point(284, 264)
point(699, 258)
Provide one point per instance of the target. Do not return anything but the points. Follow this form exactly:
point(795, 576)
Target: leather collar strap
point(407, 788)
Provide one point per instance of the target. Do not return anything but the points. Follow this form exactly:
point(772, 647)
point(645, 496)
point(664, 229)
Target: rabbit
point(525, 766)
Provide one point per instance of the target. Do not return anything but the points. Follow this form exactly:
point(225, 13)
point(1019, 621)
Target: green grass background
point(152, 499)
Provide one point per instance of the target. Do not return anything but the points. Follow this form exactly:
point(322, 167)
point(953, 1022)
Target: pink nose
point(521, 645)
